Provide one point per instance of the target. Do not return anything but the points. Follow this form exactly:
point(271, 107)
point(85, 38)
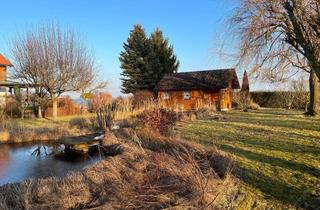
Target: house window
point(166, 96)
point(186, 95)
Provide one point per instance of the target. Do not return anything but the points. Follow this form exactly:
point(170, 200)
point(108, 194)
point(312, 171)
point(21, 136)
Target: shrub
point(80, 123)
point(242, 100)
point(281, 99)
point(12, 107)
point(142, 97)
point(66, 106)
point(99, 100)
point(159, 120)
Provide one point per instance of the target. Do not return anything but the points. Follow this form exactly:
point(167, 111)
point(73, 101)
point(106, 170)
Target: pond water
point(17, 163)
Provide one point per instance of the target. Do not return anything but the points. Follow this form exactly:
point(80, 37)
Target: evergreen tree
point(135, 61)
point(245, 83)
point(164, 60)
point(145, 60)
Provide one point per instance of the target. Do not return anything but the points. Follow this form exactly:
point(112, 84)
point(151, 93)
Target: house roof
point(199, 80)
point(4, 61)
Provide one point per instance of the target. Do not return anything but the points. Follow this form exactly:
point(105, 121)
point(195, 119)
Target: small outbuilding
point(197, 89)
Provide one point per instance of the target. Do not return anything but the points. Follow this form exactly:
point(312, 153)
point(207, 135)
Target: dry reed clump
point(81, 123)
point(24, 134)
point(221, 164)
point(14, 133)
point(157, 174)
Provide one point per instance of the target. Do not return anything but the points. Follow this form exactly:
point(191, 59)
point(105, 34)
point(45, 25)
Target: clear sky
point(192, 26)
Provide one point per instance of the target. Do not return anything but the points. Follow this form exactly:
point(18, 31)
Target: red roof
point(4, 61)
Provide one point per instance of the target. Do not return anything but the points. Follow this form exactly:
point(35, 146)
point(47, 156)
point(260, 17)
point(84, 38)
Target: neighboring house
point(192, 90)
point(4, 64)
point(6, 86)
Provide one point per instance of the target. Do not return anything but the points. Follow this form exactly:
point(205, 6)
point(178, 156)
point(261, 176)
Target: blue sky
point(191, 26)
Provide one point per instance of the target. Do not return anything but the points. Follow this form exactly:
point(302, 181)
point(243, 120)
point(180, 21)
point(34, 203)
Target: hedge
point(279, 99)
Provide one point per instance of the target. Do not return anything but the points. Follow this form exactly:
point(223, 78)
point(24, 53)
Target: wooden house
point(4, 64)
point(193, 90)
point(6, 86)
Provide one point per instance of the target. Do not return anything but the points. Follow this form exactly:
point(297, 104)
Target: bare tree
point(55, 60)
point(280, 38)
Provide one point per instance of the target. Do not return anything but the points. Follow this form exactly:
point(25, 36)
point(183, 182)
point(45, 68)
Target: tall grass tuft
point(106, 115)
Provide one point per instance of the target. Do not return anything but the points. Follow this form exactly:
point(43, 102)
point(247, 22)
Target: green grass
point(277, 155)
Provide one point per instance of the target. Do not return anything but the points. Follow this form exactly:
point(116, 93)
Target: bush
point(159, 120)
point(142, 97)
point(242, 100)
point(280, 99)
point(12, 107)
point(80, 123)
point(99, 100)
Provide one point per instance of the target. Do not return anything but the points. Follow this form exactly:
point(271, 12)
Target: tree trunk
point(39, 112)
point(55, 108)
point(314, 94)
point(22, 113)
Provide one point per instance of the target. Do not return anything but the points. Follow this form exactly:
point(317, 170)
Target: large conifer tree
point(164, 60)
point(135, 61)
point(145, 60)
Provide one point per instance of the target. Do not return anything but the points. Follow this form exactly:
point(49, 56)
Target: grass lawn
point(277, 154)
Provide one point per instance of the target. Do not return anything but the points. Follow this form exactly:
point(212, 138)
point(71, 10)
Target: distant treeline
point(281, 99)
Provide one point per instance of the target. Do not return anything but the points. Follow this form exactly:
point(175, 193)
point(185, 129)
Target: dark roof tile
point(199, 80)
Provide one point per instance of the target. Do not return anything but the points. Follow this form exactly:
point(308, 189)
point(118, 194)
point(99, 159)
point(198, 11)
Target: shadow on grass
point(278, 190)
point(271, 141)
point(275, 144)
point(280, 112)
point(274, 122)
point(272, 187)
point(272, 160)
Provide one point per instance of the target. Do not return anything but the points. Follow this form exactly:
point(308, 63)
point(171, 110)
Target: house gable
point(4, 63)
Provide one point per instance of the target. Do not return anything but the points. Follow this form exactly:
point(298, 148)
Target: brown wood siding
point(3, 73)
point(226, 99)
point(220, 99)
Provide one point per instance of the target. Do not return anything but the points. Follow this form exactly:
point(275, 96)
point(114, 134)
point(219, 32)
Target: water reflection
point(17, 163)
